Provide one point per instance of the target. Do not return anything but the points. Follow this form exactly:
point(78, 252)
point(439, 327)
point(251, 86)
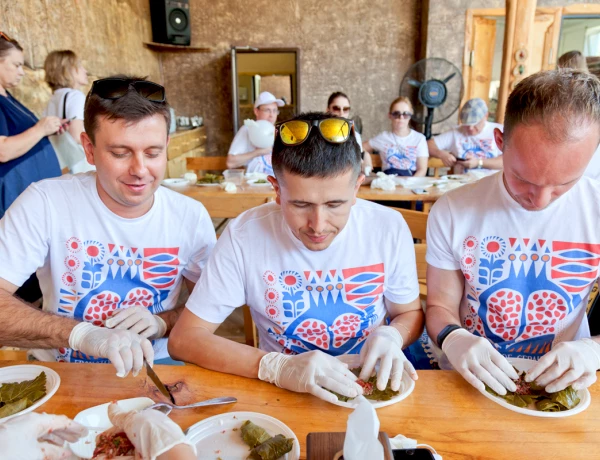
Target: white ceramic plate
point(23, 372)
point(97, 417)
point(406, 387)
point(415, 182)
point(208, 185)
point(214, 437)
point(252, 183)
point(175, 182)
point(524, 365)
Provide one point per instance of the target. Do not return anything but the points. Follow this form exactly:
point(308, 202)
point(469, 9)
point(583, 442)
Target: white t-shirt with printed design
point(400, 152)
point(91, 262)
point(241, 144)
point(304, 300)
point(481, 146)
point(527, 275)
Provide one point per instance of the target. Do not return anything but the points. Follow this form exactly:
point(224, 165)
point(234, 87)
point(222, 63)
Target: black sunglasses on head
point(115, 88)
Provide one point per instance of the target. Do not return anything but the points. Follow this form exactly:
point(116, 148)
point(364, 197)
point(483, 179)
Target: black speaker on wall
point(171, 21)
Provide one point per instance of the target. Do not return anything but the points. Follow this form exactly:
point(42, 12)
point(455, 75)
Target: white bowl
point(13, 374)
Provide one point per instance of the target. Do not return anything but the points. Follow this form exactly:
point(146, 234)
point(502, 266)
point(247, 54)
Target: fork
point(166, 408)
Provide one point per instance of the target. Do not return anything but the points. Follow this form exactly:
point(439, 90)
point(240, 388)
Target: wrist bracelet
point(445, 332)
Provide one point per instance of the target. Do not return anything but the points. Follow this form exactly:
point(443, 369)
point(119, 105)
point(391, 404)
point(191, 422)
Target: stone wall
point(106, 34)
point(361, 47)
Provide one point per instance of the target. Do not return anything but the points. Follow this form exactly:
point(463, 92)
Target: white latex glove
point(568, 363)
point(150, 431)
point(39, 436)
point(139, 320)
point(125, 350)
point(309, 372)
point(479, 362)
point(384, 344)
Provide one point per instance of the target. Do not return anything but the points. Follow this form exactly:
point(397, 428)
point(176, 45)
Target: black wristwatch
point(445, 332)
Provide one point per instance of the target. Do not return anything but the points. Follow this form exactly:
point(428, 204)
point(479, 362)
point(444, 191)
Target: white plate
point(13, 374)
point(524, 365)
point(406, 387)
point(175, 182)
point(97, 417)
point(415, 182)
point(214, 437)
point(209, 185)
point(252, 183)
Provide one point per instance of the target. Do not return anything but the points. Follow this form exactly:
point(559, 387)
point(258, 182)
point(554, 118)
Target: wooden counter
point(443, 411)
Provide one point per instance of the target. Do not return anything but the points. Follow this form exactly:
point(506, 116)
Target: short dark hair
point(132, 107)
point(316, 157)
point(334, 96)
point(7, 45)
point(553, 96)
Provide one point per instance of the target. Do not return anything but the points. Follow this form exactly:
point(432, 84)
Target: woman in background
point(338, 104)
point(403, 151)
point(26, 154)
point(66, 76)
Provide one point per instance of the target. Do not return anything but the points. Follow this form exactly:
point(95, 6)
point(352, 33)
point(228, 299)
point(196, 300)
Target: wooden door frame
point(559, 13)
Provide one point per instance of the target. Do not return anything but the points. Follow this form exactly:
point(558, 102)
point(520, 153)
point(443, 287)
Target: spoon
point(166, 408)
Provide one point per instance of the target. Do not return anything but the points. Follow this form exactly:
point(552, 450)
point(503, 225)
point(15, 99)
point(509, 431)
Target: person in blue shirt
point(26, 154)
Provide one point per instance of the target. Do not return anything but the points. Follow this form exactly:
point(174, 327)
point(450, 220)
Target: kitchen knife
point(161, 387)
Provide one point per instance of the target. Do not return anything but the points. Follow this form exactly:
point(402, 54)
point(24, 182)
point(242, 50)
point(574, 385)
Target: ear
point(390, 116)
point(88, 148)
point(359, 182)
point(277, 187)
point(499, 138)
point(256, 112)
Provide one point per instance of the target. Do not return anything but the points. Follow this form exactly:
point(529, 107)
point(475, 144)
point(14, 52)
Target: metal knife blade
point(161, 387)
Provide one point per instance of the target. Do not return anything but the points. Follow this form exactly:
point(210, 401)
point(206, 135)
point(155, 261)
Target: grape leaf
point(13, 407)
point(28, 389)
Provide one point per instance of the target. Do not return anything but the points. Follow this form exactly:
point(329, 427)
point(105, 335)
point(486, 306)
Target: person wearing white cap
point(242, 152)
point(472, 143)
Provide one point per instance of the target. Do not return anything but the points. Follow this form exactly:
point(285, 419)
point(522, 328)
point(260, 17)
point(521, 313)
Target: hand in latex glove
point(309, 372)
point(125, 350)
point(140, 321)
point(384, 344)
point(568, 363)
point(150, 431)
point(39, 436)
point(479, 362)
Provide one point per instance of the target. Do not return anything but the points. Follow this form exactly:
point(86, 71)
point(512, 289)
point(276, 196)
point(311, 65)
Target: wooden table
point(443, 411)
point(221, 204)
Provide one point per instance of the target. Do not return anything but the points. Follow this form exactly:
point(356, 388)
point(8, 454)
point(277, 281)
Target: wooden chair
point(250, 328)
point(417, 222)
point(436, 164)
point(375, 159)
point(197, 164)
point(420, 252)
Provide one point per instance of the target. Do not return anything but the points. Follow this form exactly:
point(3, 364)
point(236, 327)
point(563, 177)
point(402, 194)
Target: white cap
point(267, 98)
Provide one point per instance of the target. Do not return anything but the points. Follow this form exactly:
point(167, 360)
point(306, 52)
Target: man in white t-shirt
point(317, 283)
point(471, 145)
point(242, 152)
point(512, 258)
point(111, 248)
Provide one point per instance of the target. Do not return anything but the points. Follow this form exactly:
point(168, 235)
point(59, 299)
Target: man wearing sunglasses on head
point(316, 284)
point(472, 144)
point(111, 248)
point(242, 151)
